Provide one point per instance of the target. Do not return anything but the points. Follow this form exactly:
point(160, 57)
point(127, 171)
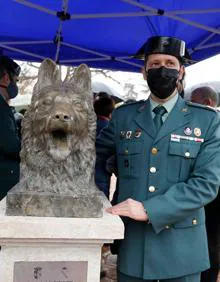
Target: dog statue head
point(58, 131)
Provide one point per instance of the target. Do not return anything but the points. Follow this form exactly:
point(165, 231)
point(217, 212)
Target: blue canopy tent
point(104, 34)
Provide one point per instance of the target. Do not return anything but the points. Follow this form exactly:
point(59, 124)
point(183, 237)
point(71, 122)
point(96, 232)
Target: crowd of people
point(164, 152)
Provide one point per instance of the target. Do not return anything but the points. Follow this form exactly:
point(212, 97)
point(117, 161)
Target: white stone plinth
point(31, 239)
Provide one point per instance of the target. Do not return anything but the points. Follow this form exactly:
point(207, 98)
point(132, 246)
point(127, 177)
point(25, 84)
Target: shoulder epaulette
point(191, 104)
point(130, 104)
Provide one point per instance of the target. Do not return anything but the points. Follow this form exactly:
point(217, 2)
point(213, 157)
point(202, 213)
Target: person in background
point(168, 161)
point(22, 111)
point(103, 106)
point(10, 143)
point(207, 96)
point(18, 119)
point(130, 101)
point(101, 94)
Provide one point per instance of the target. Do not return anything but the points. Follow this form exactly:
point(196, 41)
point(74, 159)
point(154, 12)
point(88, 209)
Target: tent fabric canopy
point(105, 34)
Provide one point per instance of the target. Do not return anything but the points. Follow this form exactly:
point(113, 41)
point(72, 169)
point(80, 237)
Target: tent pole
point(194, 24)
point(129, 63)
point(206, 39)
point(177, 18)
point(26, 42)
point(22, 51)
point(112, 15)
point(100, 54)
point(140, 14)
point(188, 12)
point(58, 41)
point(206, 46)
point(37, 7)
point(91, 60)
point(85, 60)
point(99, 60)
point(59, 32)
point(85, 50)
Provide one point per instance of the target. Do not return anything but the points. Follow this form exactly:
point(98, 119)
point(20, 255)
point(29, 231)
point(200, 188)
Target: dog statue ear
point(48, 75)
point(82, 77)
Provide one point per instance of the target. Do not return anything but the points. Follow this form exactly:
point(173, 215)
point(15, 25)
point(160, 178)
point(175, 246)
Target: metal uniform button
point(167, 227)
point(154, 151)
point(152, 189)
point(12, 171)
point(194, 222)
point(187, 154)
point(153, 169)
point(126, 152)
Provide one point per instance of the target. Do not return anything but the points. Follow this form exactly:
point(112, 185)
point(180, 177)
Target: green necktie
point(159, 112)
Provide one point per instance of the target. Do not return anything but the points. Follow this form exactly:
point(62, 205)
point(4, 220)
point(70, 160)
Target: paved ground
point(110, 268)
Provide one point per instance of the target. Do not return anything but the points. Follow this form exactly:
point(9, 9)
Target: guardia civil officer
point(9, 139)
point(168, 162)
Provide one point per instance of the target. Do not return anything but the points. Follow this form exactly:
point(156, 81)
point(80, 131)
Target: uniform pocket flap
point(130, 148)
point(187, 149)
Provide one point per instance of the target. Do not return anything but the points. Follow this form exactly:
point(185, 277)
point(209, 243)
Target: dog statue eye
point(47, 101)
point(77, 105)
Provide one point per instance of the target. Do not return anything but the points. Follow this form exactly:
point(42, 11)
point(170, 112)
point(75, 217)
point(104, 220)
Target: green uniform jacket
point(174, 172)
point(10, 146)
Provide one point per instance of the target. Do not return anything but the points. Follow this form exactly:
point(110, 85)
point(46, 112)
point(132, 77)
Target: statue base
point(54, 249)
point(25, 203)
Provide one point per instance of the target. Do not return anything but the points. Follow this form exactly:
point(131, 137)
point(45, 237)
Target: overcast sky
point(205, 71)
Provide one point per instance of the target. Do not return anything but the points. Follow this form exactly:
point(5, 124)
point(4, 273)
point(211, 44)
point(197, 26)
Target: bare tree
point(29, 72)
point(69, 72)
point(131, 94)
point(27, 77)
point(132, 90)
point(106, 73)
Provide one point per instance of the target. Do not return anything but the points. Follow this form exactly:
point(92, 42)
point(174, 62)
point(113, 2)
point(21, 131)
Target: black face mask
point(12, 88)
point(162, 81)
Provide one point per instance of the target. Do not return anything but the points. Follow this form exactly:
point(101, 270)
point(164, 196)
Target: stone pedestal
point(68, 247)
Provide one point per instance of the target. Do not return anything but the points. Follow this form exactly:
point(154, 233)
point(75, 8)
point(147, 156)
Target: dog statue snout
point(58, 116)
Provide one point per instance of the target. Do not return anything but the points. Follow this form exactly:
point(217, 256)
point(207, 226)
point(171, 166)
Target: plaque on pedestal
point(44, 271)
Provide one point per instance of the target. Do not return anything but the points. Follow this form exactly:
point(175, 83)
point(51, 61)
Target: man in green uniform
point(168, 163)
point(10, 143)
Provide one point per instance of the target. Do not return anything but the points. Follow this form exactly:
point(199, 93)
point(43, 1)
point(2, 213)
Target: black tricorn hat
point(164, 45)
point(9, 65)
